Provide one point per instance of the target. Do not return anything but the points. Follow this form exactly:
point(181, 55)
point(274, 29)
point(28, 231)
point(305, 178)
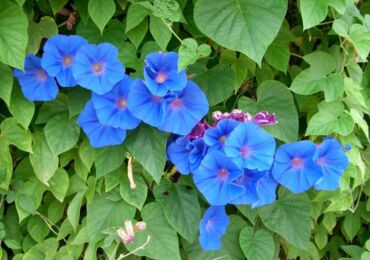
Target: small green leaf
point(257, 245)
point(74, 208)
point(103, 213)
point(101, 11)
point(59, 184)
point(351, 225)
point(46, 28)
point(148, 147)
point(181, 207)
point(275, 97)
point(6, 165)
point(43, 161)
point(61, 133)
point(290, 217)
point(15, 134)
point(167, 9)
point(137, 34)
point(37, 228)
point(163, 242)
point(108, 159)
point(187, 53)
point(330, 119)
point(6, 83)
point(160, 32)
point(13, 31)
point(217, 83)
point(136, 13)
point(21, 108)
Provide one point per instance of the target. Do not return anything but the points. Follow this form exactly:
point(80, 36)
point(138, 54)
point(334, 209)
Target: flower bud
point(140, 226)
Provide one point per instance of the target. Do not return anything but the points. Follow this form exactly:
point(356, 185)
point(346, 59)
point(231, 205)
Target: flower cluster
point(234, 161)
point(165, 98)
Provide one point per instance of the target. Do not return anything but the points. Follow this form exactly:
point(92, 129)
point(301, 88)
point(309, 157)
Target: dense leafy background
point(305, 61)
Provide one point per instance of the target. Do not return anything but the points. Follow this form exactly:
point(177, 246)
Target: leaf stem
point(134, 251)
point(296, 55)
point(171, 30)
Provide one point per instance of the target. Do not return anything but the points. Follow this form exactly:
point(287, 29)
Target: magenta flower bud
point(198, 130)
point(125, 237)
point(264, 118)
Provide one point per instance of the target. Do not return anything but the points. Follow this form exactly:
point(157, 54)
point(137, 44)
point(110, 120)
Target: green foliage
point(305, 61)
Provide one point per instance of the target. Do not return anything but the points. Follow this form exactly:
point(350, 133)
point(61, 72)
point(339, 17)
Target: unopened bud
point(126, 238)
point(140, 226)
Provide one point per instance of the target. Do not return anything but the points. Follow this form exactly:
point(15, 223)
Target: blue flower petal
point(183, 110)
point(294, 167)
point(111, 108)
point(266, 190)
point(216, 136)
point(178, 154)
point(144, 105)
point(252, 146)
point(212, 227)
point(100, 135)
point(35, 83)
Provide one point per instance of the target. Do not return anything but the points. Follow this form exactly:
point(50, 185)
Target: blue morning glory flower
point(111, 108)
point(35, 83)
point(100, 135)
point(183, 110)
point(266, 190)
point(185, 154)
point(294, 167)
point(215, 179)
point(333, 161)
point(249, 180)
point(212, 227)
point(216, 136)
point(144, 105)
point(59, 55)
point(97, 67)
point(251, 146)
point(161, 73)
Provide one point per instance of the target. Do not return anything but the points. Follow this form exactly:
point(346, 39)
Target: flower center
point(176, 103)
point(161, 77)
point(245, 152)
point(222, 174)
point(41, 75)
point(209, 225)
point(321, 161)
point(222, 139)
point(67, 61)
point(97, 68)
point(156, 98)
point(297, 162)
point(121, 103)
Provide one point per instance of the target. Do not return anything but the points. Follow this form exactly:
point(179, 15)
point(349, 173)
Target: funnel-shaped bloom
point(183, 110)
point(294, 167)
point(216, 136)
point(215, 179)
point(35, 83)
point(333, 161)
point(111, 108)
point(100, 135)
point(212, 227)
point(161, 73)
point(251, 146)
point(59, 57)
point(97, 67)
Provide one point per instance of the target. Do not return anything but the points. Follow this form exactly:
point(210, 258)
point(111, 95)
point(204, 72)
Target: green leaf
point(275, 97)
point(248, 212)
point(315, 11)
point(6, 166)
point(105, 213)
point(160, 32)
point(108, 159)
point(330, 119)
point(56, 5)
point(217, 83)
point(168, 10)
point(230, 244)
point(37, 228)
point(101, 11)
point(74, 208)
point(137, 34)
point(181, 207)
point(59, 184)
point(15, 134)
point(6, 83)
point(148, 146)
point(21, 108)
point(290, 217)
point(52, 108)
point(46, 28)
point(351, 225)
point(257, 245)
point(45, 250)
point(61, 133)
point(248, 26)
point(136, 13)
point(43, 161)
point(87, 153)
point(135, 197)
point(113, 33)
point(163, 242)
point(13, 31)
point(77, 99)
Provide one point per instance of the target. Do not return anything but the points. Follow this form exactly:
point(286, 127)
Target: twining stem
point(171, 30)
point(134, 251)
